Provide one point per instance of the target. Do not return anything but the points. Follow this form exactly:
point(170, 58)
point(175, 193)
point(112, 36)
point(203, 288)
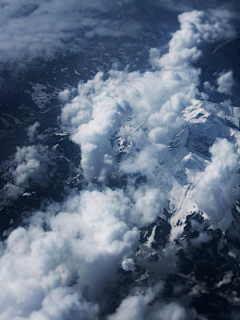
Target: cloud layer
point(189, 5)
point(43, 29)
point(33, 29)
point(142, 131)
point(214, 186)
point(30, 164)
point(225, 82)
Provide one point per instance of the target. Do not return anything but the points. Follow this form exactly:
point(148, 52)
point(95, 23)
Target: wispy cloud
point(42, 29)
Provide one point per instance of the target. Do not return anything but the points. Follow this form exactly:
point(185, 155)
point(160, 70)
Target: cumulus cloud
point(197, 27)
point(225, 82)
point(208, 87)
point(171, 311)
point(32, 131)
point(153, 101)
point(64, 95)
point(214, 187)
point(145, 110)
point(142, 307)
point(29, 164)
point(42, 269)
point(133, 307)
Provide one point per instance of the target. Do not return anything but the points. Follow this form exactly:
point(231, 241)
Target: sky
point(160, 137)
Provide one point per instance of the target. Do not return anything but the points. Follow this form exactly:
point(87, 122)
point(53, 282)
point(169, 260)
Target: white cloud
point(171, 311)
point(197, 27)
point(29, 164)
point(64, 95)
point(225, 82)
point(154, 101)
point(145, 110)
point(214, 187)
point(134, 307)
point(41, 270)
point(142, 307)
point(208, 87)
point(32, 131)
point(32, 29)
point(131, 308)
